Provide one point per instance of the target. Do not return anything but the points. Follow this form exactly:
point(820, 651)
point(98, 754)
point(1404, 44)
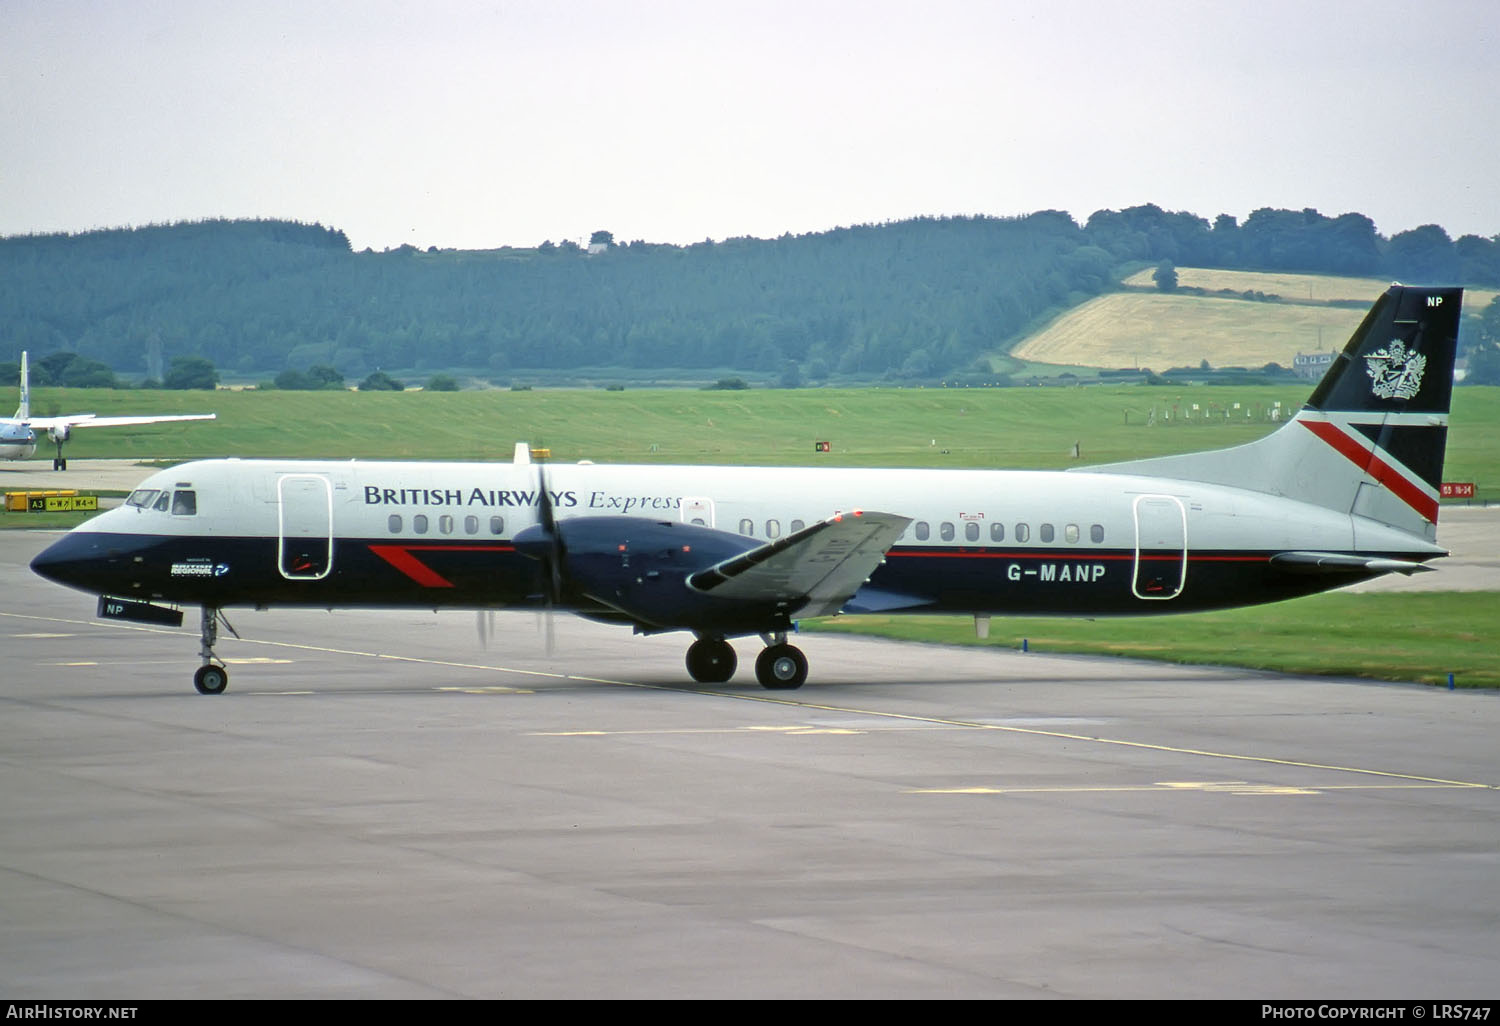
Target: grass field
point(1027, 428)
point(1386, 636)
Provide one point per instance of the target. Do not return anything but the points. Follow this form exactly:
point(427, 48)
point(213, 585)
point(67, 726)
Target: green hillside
point(922, 300)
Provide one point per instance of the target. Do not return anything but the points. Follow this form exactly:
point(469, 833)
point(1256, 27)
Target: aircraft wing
point(77, 420)
point(819, 567)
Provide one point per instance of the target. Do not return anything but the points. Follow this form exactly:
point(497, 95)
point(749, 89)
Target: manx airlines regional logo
point(1396, 371)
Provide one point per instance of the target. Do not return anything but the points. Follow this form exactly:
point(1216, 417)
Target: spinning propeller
point(553, 561)
point(545, 544)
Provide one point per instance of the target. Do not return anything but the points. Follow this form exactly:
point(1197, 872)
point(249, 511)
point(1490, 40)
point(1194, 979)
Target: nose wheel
point(212, 678)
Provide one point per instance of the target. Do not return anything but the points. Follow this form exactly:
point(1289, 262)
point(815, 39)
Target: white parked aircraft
point(1345, 491)
point(18, 439)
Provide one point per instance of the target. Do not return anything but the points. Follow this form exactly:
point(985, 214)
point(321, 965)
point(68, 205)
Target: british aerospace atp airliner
point(1346, 490)
point(18, 434)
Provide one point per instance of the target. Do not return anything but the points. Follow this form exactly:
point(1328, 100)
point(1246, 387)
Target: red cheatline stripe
point(400, 557)
point(1400, 485)
point(964, 553)
point(1080, 557)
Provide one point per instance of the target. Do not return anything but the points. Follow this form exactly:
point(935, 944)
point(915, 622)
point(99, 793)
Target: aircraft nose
point(76, 560)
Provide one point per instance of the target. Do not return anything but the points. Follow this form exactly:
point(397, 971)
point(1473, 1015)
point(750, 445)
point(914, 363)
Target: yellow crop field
point(1158, 330)
point(1318, 287)
point(1161, 330)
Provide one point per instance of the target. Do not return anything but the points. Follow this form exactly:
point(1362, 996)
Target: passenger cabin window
point(497, 525)
point(797, 525)
point(946, 531)
point(1070, 534)
point(971, 531)
point(419, 523)
point(997, 531)
point(1096, 533)
point(923, 531)
point(1047, 533)
point(773, 528)
point(1023, 532)
point(184, 503)
point(747, 527)
point(393, 523)
point(471, 525)
point(445, 523)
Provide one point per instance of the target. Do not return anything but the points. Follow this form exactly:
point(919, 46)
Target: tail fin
point(23, 412)
point(1371, 439)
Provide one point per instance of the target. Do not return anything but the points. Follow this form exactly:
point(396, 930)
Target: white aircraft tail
point(23, 412)
point(1371, 440)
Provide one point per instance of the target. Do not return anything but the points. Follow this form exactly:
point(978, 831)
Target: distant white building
point(1312, 365)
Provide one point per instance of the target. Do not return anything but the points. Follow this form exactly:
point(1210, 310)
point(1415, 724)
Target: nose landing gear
point(212, 678)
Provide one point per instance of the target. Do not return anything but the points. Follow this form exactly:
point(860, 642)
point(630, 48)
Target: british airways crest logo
point(1395, 371)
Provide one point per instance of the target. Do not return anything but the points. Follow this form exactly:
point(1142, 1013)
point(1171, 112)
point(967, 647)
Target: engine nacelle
point(60, 433)
point(640, 567)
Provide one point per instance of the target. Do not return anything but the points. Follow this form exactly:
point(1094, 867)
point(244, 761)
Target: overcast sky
point(481, 123)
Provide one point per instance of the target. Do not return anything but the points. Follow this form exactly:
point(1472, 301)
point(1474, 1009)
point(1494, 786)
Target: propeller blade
point(556, 555)
point(547, 520)
point(545, 513)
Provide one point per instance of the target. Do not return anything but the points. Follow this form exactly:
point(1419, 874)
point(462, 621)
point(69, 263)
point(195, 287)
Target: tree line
point(905, 300)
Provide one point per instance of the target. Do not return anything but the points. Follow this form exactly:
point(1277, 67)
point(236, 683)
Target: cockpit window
point(142, 497)
point(184, 503)
point(162, 501)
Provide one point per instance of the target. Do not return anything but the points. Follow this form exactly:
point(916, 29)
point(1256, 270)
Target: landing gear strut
point(711, 660)
point(781, 667)
point(212, 678)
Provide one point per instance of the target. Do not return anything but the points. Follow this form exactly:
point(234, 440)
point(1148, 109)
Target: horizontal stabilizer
point(82, 420)
point(819, 567)
point(1340, 563)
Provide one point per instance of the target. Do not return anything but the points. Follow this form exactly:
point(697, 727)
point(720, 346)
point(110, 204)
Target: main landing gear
point(212, 678)
point(779, 667)
point(711, 660)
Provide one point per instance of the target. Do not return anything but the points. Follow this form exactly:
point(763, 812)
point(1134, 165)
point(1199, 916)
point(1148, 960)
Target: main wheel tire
point(211, 680)
point(781, 668)
point(711, 660)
